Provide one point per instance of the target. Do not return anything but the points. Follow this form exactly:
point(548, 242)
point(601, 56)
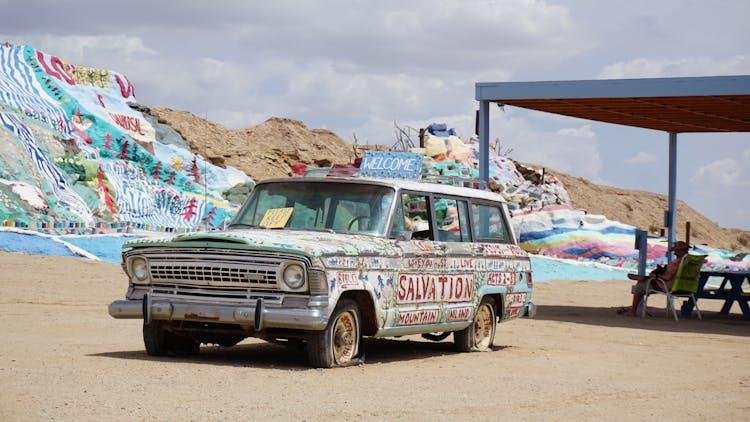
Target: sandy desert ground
point(63, 358)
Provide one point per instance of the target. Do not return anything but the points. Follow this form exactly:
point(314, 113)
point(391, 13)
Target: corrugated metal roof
point(700, 104)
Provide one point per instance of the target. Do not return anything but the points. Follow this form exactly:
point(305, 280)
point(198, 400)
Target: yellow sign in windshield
point(276, 218)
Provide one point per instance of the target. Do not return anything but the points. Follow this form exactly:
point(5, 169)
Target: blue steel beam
point(484, 141)
point(672, 212)
point(614, 88)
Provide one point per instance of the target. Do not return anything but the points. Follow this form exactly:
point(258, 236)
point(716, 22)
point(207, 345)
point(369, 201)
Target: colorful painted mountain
point(75, 151)
point(79, 155)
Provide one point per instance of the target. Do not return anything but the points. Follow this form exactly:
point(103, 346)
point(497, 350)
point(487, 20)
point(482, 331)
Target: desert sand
point(63, 358)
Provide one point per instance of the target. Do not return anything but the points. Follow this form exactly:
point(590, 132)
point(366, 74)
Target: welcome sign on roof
point(394, 165)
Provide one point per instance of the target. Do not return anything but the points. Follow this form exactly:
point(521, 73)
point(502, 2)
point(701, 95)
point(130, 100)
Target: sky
point(359, 68)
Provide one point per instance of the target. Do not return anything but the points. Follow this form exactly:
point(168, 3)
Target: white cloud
point(578, 132)
point(642, 158)
point(655, 68)
point(90, 50)
point(746, 153)
point(573, 150)
point(718, 175)
point(430, 37)
point(727, 210)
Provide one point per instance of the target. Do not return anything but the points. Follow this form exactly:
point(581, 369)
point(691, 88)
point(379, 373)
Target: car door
point(432, 286)
point(508, 272)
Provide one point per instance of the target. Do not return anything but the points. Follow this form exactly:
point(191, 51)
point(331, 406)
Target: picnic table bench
point(730, 291)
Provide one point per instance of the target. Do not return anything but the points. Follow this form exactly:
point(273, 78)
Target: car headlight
point(293, 276)
point(139, 270)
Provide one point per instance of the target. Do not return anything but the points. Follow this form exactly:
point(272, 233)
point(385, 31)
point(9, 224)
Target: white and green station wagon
point(324, 261)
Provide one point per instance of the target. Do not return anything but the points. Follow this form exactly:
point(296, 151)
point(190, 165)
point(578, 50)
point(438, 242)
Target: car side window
point(398, 225)
point(416, 215)
point(452, 217)
point(489, 224)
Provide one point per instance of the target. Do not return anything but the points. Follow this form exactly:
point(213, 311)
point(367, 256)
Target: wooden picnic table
point(729, 294)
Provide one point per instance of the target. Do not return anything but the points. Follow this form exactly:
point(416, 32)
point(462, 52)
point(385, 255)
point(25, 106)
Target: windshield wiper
point(240, 225)
point(254, 226)
point(314, 229)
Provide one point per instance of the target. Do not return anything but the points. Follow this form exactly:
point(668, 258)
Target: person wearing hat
point(661, 278)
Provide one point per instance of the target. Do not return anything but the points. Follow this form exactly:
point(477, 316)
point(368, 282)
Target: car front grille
point(210, 272)
point(254, 275)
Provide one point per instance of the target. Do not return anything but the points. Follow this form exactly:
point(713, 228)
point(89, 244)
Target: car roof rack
point(466, 182)
point(451, 180)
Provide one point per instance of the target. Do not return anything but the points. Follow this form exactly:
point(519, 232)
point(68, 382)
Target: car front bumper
point(257, 314)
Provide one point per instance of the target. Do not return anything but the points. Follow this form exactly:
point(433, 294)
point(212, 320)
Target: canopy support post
point(484, 141)
point(672, 211)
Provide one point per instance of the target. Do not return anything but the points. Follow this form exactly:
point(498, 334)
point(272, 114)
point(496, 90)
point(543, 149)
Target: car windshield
point(360, 208)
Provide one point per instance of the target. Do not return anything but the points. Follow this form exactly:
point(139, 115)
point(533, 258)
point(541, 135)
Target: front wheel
point(338, 344)
point(161, 342)
point(478, 336)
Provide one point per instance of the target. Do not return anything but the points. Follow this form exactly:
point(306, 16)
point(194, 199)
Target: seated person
point(665, 277)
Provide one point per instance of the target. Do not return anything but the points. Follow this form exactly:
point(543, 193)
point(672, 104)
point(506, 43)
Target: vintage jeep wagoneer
point(322, 262)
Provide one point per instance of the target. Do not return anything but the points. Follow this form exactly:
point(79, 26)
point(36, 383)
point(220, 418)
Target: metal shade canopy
point(673, 105)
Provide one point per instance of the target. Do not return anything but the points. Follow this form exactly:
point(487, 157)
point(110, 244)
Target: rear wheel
point(161, 342)
point(338, 344)
point(478, 336)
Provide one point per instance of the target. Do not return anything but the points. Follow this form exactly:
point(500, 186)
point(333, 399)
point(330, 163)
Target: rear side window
point(452, 220)
point(489, 224)
point(455, 219)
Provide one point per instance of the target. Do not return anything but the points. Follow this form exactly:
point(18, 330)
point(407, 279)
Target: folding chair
point(685, 285)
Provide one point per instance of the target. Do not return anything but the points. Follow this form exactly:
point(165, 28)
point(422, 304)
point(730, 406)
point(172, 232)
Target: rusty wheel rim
point(484, 325)
point(345, 338)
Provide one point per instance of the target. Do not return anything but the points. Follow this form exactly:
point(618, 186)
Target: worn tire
point(339, 343)
point(160, 342)
point(154, 338)
point(479, 336)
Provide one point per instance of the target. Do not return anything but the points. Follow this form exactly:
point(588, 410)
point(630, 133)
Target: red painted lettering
point(420, 317)
point(57, 68)
point(126, 90)
point(129, 123)
point(502, 279)
point(459, 288)
point(515, 300)
point(442, 280)
point(459, 314)
point(346, 280)
point(401, 295)
point(426, 288)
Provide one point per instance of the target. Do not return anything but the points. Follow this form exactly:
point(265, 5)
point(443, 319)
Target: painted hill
point(79, 154)
point(269, 149)
point(645, 210)
point(75, 154)
point(602, 239)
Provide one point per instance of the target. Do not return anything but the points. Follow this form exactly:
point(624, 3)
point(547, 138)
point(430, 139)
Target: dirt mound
point(263, 151)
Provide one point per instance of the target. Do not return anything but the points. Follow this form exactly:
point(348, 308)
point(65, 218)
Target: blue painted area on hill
point(545, 269)
point(32, 244)
point(108, 247)
point(559, 231)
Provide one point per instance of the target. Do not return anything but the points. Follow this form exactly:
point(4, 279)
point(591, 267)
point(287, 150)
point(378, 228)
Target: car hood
point(310, 243)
